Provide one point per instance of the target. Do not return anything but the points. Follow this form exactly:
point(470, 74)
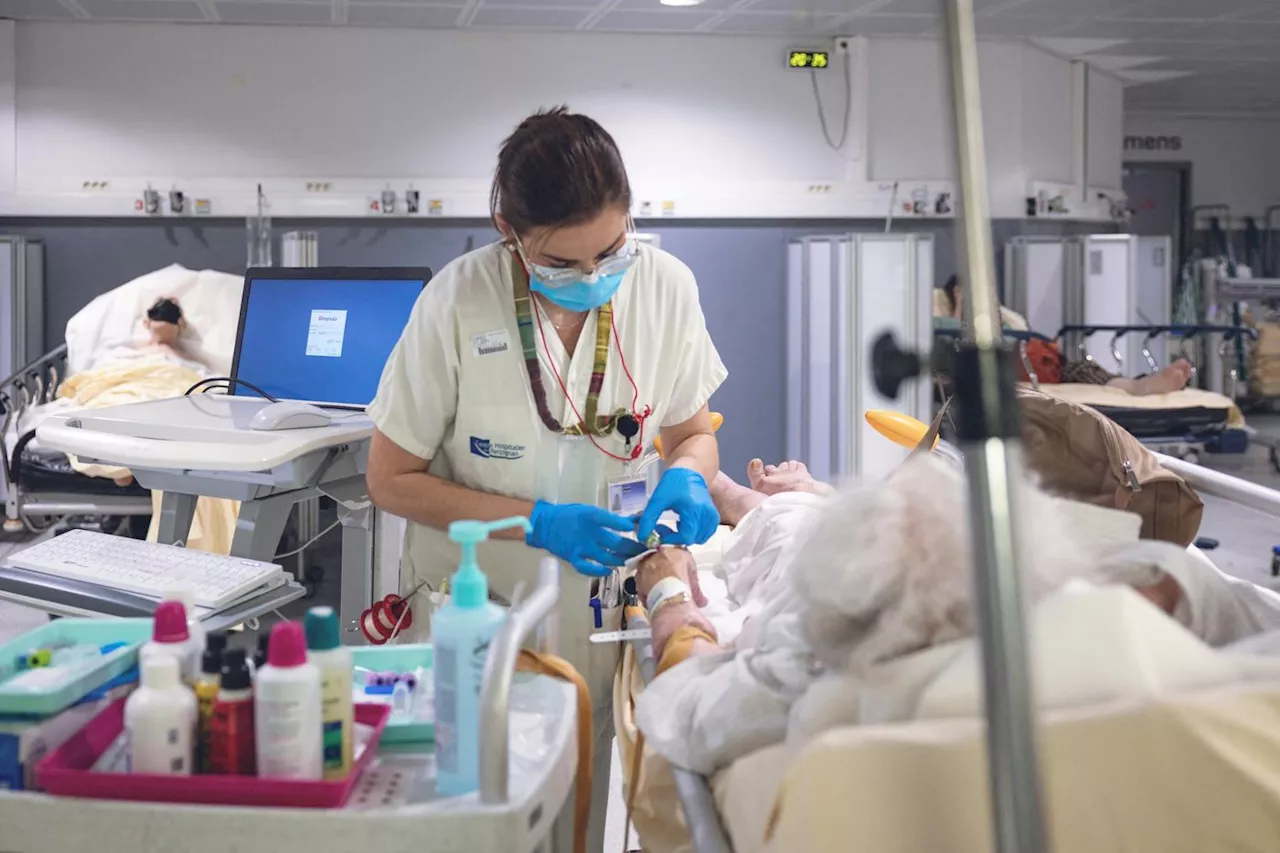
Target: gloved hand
point(684, 492)
point(582, 536)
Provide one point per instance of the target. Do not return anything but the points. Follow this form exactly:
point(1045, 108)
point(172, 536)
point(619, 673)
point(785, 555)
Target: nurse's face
point(579, 246)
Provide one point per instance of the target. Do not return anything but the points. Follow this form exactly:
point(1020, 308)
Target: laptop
point(321, 335)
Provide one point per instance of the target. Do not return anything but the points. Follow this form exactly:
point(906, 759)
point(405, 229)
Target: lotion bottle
point(461, 631)
point(287, 708)
point(160, 717)
point(231, 737)
point(170, 636)
point(336, 709)
point(206, 691)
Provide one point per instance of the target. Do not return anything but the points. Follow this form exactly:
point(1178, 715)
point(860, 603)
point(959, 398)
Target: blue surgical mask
point(581, 295)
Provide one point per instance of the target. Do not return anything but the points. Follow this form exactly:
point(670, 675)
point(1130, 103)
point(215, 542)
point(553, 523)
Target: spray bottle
point(460, 634)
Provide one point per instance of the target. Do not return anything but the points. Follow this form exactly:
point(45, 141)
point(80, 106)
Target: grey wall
point(741, 270)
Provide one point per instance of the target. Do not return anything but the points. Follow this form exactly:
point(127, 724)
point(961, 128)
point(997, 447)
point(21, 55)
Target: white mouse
point(289, 416)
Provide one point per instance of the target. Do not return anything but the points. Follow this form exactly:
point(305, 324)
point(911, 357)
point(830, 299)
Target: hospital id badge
point(628, 495)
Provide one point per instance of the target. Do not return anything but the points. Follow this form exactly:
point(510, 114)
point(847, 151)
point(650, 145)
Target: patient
point(1052, 367)
point(824, 594)
point(166, 324)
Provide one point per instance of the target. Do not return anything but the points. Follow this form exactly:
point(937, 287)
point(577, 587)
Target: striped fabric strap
point(594, 424)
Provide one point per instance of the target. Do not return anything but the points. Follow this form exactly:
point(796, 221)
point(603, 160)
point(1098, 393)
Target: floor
point(1246, 540)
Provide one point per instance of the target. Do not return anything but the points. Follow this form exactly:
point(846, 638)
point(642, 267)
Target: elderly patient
point(856, 582)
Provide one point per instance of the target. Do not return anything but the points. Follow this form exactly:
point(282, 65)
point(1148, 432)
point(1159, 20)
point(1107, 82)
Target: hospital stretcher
point(529, 737)
point(1184, 423)
point(869, 789)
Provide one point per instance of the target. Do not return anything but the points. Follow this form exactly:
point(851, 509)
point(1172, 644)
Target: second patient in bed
point(1051, 366)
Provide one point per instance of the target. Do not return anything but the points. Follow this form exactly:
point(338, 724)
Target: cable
point(305, 545)
point(848, 105)
point(227, 383)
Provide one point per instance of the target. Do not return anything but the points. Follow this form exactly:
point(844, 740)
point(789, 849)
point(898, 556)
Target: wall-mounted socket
point(94, 185)
point(843, 45)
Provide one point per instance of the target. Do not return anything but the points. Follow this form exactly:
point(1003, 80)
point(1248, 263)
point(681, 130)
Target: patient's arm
point(668, 620)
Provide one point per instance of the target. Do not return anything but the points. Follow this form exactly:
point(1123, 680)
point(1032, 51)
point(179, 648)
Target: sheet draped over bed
point(134, 381)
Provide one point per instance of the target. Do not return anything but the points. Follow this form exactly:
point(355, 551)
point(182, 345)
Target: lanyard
point(592, 424)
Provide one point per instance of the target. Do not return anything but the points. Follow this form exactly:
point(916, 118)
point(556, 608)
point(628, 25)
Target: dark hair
point(950, 288)
point(165, 311)
point(557, 168)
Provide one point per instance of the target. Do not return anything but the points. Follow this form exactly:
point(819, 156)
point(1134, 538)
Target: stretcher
point(1154, 773)
point(1184, 423)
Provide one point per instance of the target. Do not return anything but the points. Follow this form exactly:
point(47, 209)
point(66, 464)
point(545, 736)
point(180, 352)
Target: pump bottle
point(461, 631)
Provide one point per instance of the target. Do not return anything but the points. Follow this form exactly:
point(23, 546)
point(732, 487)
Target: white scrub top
point(456, 390)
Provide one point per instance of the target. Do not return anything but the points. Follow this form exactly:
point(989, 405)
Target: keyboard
point(148, 569)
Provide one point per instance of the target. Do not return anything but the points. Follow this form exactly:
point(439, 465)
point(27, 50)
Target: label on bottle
point(335, 714)
point(206, 695)
point(288, 732)
point(446, 708)
point(231, 746)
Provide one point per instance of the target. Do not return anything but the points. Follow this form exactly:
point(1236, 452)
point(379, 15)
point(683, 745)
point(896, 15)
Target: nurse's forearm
point(437, 503)
point(701, 453)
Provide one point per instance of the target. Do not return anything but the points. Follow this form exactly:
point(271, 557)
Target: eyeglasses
point(612, 264)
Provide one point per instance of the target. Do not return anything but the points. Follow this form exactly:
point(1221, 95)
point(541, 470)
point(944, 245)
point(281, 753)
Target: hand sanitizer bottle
point(460, 634)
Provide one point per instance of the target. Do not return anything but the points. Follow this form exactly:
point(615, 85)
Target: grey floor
point(1246, 540)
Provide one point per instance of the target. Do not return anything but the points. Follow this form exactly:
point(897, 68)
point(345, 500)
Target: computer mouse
point(290, 416)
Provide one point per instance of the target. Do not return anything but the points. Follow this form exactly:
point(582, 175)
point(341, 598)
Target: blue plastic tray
point(63, 694)
point(398, 659)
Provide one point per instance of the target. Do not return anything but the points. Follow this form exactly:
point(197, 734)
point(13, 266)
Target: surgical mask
point(581, 295)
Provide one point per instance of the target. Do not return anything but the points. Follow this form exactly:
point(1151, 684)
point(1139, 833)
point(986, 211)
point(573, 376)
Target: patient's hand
point(670, 562)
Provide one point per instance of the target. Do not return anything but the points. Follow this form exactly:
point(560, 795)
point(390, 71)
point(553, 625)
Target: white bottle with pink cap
point(286, 709)
point(170, 636)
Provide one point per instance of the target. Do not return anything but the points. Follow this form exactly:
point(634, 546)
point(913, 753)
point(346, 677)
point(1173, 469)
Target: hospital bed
point(1121, 773)
point(41, 487)
point(1184, 423)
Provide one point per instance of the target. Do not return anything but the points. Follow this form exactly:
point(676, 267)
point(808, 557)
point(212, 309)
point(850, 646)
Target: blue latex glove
point(583, 536)
point(684, 492)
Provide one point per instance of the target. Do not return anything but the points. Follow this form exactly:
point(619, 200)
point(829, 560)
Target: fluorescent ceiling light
point(681, 2)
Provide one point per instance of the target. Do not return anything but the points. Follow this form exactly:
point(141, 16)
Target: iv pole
point(987, 426)
point(988, 430)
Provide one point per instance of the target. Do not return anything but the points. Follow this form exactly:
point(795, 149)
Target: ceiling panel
point(932, 7)
point(1235, 31)
point(654, 6)
point(1062, 10)
point(829, 7)
point(525, 18)
point(654, 21)
point(891, 25)
point(142, 10)
point(1187, 9)
point(1000, 26)
point(802, 23)
point(273, 12)
point(386, 15)
point(1099, 28)
point(33, 9)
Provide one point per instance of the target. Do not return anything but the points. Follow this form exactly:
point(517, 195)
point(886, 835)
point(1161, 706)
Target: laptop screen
point(310, 336)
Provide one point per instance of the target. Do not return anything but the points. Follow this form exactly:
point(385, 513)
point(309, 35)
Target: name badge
point(491, 343)
point(628, 495)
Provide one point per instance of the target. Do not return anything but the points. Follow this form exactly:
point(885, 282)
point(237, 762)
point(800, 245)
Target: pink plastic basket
point(67, 772)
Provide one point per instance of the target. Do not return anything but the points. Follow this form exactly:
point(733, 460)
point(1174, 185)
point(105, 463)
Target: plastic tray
point(399, 659)
point(67, 772)
point(67, 692)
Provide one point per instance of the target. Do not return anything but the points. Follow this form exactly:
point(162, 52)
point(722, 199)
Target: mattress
point(1190, 410)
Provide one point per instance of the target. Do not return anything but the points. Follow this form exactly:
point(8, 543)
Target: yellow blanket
point(135, 381)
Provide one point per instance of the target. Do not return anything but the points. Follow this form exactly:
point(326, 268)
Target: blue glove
point(684, 492)
point(582, 536)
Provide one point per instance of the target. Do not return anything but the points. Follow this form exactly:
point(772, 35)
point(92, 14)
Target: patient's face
point(164, 333)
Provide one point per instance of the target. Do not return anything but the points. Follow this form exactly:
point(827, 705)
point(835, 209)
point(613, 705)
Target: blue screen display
point(321, 340)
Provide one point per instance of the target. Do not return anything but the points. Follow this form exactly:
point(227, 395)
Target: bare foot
point(789, 476)
point(1170, 379)
point(732, 499)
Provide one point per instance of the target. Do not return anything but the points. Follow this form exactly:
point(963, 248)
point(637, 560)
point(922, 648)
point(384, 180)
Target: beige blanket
point(136, 381)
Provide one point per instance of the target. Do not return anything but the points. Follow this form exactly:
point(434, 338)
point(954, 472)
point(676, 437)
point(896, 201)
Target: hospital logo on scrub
point(486, 449)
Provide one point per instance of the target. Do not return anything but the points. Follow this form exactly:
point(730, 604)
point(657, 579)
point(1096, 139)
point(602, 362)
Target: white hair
point(887, 570)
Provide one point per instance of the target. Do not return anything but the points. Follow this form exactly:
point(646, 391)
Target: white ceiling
point(1183, 56)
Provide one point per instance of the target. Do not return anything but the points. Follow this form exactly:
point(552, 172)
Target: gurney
point(1183, 423)
point(1179, 754)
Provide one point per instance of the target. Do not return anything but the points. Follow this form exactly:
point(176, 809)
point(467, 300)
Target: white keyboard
point(146, 568)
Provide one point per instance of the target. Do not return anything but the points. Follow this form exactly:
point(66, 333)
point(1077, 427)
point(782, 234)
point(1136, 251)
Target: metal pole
point(989, 435)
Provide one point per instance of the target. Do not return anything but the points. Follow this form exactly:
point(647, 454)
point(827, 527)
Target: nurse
point(532, 378)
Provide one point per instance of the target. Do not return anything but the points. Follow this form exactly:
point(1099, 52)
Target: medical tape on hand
point(630, 567)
